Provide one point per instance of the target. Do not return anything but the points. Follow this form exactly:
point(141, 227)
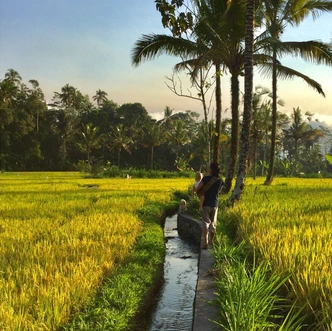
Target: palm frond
point(310, 51)
point(154, 45)
point(302, 8)
point(289, 73)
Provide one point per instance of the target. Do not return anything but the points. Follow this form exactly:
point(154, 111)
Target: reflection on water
point(174, 310)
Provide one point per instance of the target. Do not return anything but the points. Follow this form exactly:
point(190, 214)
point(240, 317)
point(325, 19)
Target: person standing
point(210, 186)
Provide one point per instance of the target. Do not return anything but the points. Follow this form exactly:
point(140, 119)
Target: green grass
point(248, 294)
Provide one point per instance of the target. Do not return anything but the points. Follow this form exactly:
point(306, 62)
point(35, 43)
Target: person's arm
point(200, 186)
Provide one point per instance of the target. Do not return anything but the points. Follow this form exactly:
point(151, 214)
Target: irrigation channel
point(175, 307)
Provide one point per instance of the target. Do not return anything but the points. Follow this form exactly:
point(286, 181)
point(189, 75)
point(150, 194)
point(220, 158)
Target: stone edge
point(204, 312)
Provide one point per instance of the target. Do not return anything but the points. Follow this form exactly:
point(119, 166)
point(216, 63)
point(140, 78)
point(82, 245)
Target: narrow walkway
point(204, 312)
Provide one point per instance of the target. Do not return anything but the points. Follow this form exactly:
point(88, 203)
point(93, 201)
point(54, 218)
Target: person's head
point(214, 169)
point(198, 176)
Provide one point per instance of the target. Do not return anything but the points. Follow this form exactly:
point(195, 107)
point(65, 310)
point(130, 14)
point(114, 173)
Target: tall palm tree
point(248, 87)
point(277, 14)
point(221, 23)
point(37, 97)
point(63, 103)
point(100, 97)
point(260, 121)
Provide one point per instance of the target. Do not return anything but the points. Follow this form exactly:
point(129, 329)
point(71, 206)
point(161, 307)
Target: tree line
point(75, 132)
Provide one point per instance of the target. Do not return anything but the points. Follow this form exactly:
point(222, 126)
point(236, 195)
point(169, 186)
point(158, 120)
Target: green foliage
point(328, 158)
point(248, 294)
point(72, 133)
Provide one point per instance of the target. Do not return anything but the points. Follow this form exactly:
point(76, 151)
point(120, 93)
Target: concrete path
point(204, 312)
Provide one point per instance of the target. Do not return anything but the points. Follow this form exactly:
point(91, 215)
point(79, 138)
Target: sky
point(88, 44)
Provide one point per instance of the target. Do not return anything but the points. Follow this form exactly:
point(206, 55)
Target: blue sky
point(88, 44)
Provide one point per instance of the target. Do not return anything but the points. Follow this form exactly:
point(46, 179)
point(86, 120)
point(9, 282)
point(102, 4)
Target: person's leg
point(206, 225)
point(206, 238)
point(201, 200)
point(213, 225)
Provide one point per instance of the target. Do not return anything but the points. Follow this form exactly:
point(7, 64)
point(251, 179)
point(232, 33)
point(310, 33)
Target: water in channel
point(174, 310)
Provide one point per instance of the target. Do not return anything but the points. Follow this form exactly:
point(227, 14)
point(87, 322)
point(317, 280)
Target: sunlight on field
point(290, 223)
point(60, 236)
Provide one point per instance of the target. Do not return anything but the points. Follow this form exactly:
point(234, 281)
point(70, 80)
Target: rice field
point(289, 223)
point(61, 235)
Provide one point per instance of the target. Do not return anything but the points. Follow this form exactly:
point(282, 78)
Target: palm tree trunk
point(234, 134)
point(255, 157)
point(216, 152)
point(296, 157)
point(207, 133)
point(63, 151)
point(88, 155)
point(248, 84)
point(265, 152)
point(151, 165)
point(119, 152)
point(270, 172)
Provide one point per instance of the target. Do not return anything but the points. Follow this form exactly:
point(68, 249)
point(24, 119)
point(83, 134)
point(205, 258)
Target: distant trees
point(20, 110)
point(72, 134)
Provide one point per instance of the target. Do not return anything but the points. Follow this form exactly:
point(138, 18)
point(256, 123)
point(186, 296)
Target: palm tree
point(277, 15)
point(119, 140)
point(13, 76)
point(63, 104)
point(152, 135)
point(200, 151)
point(260, 121)
point(177, 136)
point(37, 97)
point(67, 96)
point(248, 86)
point(222, 24)
point(100, 97)
point(166, 122)
point(91, 140)
point(297, 130)
point(8, 91)
point(216, 38)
